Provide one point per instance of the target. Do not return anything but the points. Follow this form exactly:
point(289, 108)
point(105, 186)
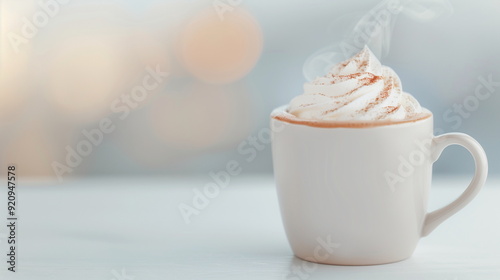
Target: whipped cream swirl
point(358, 89)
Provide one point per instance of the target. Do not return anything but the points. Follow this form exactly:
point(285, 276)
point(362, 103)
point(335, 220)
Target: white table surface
point(124, 229)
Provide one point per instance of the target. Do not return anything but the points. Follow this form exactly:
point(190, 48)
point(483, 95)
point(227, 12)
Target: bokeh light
point(84, 77)
point(220, 50)
point(15, 52)
point(87, 61)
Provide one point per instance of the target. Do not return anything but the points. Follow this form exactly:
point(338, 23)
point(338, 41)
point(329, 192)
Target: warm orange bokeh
point(90, 54)
point(219, 50)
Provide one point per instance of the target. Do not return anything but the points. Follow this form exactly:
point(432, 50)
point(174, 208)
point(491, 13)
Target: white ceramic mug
point(358, 196)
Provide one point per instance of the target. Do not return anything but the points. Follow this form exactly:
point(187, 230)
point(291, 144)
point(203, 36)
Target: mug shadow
point(302, 269)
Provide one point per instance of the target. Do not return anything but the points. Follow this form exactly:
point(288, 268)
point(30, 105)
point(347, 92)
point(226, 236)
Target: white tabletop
point(114, 229)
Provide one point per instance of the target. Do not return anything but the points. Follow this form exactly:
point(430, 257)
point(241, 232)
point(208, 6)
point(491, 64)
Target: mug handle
point(439, 143)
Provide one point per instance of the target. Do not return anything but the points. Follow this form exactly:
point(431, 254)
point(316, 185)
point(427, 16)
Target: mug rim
point(320, 124)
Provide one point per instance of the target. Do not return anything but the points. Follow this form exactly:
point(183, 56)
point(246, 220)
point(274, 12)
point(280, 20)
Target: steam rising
point(374, 29)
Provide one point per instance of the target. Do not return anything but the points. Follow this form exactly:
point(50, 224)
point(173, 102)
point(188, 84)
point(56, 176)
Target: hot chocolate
point(359, 92)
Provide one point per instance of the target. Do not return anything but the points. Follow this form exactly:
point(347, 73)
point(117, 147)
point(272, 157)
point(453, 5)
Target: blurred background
point(164, 88)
